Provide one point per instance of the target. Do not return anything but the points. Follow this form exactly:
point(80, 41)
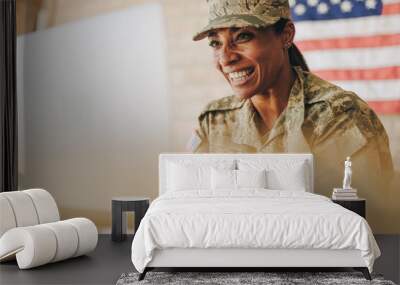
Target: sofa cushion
point(45, 205)
point(7, 215)
point(23, 208)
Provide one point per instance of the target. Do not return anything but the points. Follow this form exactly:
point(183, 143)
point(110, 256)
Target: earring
point(285, 47)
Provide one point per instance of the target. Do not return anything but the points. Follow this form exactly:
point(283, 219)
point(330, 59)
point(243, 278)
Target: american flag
point(354, 44)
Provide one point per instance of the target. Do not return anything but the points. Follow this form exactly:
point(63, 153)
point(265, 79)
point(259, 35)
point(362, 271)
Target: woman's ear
point(288, 34)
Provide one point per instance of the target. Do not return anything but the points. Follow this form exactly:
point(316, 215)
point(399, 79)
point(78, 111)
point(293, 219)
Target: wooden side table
point(356, 205)
point(120, 205)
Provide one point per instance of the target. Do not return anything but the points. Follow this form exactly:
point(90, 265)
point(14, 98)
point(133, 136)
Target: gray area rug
point(231, 278)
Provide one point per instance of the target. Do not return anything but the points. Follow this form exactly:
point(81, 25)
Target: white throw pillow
point(187, 174)
point(291, 179)
point(251, 178)
point(223, 179)
point(290, 175)
point(183, 177)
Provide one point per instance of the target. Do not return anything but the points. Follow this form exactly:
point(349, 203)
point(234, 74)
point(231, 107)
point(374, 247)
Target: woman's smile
point(240, 77)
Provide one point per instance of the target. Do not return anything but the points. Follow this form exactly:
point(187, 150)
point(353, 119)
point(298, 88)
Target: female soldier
point(279, 106)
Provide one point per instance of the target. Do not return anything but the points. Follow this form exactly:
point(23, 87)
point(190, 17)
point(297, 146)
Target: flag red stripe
point(385, 107)
point(363, 74)
point(350, 42)
point(381, 73)
point(391, 9)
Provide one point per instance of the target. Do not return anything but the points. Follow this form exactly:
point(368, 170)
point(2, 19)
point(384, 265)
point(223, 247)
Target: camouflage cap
point(243, 13)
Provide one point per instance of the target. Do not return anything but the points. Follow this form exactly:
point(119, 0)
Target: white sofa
point(31, 230)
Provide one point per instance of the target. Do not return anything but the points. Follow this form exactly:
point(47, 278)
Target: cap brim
point(235, 21)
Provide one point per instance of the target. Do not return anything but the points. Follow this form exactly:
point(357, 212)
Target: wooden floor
point(111, 259)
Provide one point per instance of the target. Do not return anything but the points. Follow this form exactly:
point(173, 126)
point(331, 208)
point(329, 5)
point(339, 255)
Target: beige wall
point(192, 79)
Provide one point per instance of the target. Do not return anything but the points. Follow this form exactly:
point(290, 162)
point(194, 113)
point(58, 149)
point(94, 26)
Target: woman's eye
point(244, 36)
point(214, 43)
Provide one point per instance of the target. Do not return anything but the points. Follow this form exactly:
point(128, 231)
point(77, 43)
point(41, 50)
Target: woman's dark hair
point(295, 56)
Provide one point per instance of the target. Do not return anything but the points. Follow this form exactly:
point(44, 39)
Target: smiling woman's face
point(250, 59)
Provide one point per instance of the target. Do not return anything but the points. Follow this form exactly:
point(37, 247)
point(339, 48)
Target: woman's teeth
point(240, 75)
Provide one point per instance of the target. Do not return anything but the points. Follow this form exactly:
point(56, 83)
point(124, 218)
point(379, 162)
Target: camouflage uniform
point(320, 118)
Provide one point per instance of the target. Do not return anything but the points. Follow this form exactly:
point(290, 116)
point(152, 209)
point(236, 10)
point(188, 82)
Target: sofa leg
point(143, 274)
point(364, 271)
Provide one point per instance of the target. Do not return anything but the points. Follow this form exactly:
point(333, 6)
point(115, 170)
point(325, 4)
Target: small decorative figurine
point(347, 174)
